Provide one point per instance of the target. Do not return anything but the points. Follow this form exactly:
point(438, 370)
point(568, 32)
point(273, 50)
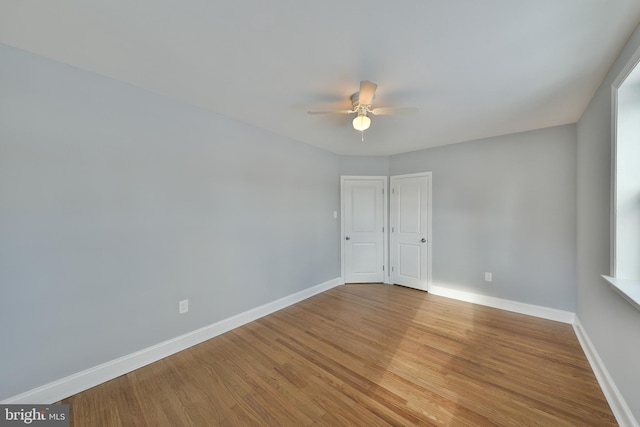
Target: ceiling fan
point(361, 105)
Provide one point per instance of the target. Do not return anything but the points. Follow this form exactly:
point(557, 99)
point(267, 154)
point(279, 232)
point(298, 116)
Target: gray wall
point(611, 322)
point(116, 203)
point(364, 165)
point(506, 205)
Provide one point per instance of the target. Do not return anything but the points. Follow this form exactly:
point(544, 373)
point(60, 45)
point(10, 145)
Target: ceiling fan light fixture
point(361, 122)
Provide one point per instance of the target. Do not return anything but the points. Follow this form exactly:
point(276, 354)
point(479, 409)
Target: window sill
point(628, 289)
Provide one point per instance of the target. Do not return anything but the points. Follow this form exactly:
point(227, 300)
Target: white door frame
point(429, 215)
point(385, 221)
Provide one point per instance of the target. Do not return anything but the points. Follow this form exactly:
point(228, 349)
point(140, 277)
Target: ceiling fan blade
point(388, 111)
point(367, 91)
point(331, 112)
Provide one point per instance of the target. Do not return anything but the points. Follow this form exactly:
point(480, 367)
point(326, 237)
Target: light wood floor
point(364, 355)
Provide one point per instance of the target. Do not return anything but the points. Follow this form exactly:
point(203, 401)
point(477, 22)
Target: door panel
point(363, 225)
point(364, 258)
point(409, 262)
point(410, 230)
point(409, 209)
point(363, 213)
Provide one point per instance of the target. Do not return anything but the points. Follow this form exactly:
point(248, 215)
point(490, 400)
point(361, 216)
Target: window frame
point(629, 289)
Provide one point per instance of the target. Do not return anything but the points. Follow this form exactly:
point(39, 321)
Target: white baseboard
point(68, 386)
point(617, 403)
point(503, 304)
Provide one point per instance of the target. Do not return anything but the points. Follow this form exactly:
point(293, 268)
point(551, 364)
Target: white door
point(411, 230)
point(363, 242)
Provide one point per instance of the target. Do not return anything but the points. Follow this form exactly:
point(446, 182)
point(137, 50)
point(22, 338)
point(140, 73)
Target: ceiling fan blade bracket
point(384, 111)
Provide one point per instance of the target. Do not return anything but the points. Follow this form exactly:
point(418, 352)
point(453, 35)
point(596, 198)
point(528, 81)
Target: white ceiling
point(474, 68)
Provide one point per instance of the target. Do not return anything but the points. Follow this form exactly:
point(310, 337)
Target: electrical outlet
point(488, 277)
point(183, 306)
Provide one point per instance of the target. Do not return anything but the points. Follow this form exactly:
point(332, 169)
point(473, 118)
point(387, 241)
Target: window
point(625, 210)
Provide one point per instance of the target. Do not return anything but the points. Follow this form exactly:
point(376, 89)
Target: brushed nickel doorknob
point(347, 238)
point(423, 240)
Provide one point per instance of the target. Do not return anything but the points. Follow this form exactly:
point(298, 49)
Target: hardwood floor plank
point(369, 355)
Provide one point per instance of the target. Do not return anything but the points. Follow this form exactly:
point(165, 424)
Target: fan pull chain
point(362, 136)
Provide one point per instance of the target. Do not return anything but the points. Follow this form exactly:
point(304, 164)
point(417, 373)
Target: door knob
point(423, 240)
point(347, 238)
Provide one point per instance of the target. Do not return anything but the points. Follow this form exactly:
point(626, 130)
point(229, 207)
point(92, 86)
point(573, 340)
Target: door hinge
point(383, 229)
point(393, 191)
point(393, 229)
point(383, 268)
point(392, 268)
